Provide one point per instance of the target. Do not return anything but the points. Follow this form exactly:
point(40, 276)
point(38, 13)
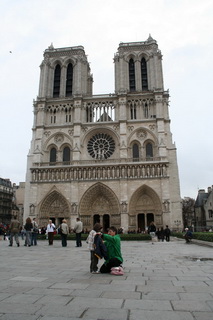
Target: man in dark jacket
point(167, 233)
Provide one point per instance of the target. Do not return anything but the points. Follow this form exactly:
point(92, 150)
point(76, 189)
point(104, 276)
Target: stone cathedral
point(105, 158)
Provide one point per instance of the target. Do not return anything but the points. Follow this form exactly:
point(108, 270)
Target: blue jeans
point(34, 239)
point(64, 240)
point(78, 239)
point(15, 235)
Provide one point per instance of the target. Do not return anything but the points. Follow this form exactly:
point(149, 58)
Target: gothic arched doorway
point(141, 221)
point(96, 218)
point(106, 222)
point(99, 201)
point(145, 205)
point(54, 207)
point(150, 218)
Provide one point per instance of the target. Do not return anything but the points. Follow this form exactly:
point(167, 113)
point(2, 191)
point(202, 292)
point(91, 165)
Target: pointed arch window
point(133, 111)
point(53, 117)
point(135, 152)
point(69, 80)
point(52, 156)
point(144, 78)
point(66, 155)
point(57, 80)
point(131, 75)
point(89, 114)
point(149, 150)
point(68, 116)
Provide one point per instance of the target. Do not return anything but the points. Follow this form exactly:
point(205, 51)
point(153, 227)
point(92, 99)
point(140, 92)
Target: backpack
point(117, 271)
point(100, 249)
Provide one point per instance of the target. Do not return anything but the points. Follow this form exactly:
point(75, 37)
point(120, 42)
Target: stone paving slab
point(203, 315)
point(160, 315)
point(164, 281)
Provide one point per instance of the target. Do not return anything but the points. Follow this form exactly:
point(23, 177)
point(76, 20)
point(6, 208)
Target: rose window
point(101, 146)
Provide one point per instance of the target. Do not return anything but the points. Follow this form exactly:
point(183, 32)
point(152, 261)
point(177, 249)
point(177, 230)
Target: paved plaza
point(164, 281)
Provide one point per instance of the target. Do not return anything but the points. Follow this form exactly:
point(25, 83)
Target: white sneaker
point(95, 272)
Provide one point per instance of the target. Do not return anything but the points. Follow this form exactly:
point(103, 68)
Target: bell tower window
point(144, 79)
point(131, 75)
point(135, 152)
point(53, 156)
point(149, 150)
point(66, 155)
point(57, 80)
point(69, 80)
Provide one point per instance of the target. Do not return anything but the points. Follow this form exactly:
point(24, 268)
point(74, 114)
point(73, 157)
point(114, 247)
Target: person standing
point(64, 232)
point(152, 230)
point(78, 230)
point(50, 232)
point(90, 241)
point(34, 233)
point(28, 227)
point(14, 231)
point(167, 233)
point(113, 245)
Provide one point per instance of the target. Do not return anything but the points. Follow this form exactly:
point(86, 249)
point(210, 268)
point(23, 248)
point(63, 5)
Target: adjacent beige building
point(107, 157)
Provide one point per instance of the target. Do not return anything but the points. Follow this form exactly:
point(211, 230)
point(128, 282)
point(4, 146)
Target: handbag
point(117, 271)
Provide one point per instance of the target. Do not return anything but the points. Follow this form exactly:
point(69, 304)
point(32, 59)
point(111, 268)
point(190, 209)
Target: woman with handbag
point(28, 227)
point(34, 233)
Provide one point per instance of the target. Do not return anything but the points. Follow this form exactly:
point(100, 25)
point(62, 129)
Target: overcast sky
point(184, 32)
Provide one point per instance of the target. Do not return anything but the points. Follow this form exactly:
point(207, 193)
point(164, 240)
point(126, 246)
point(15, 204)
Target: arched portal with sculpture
point(145, 207)
point(55, 207)
point(99, 204)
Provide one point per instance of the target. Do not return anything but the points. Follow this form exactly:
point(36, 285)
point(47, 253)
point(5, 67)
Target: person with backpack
point(35, 232)
point(94, 247)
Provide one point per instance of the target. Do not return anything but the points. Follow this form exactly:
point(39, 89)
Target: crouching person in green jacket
point(113, 244)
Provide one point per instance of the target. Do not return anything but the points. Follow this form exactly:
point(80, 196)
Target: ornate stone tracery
point(99, 199)
point(54, 205)
point(133, 181)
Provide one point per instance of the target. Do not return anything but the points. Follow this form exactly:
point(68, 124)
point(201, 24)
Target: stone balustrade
point(100, 172)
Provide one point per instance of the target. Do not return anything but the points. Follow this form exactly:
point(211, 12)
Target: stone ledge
point(199, 242)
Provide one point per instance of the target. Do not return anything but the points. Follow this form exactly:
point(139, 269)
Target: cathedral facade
point(105, 158)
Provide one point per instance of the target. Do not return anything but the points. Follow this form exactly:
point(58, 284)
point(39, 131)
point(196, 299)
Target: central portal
point(104, 220)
